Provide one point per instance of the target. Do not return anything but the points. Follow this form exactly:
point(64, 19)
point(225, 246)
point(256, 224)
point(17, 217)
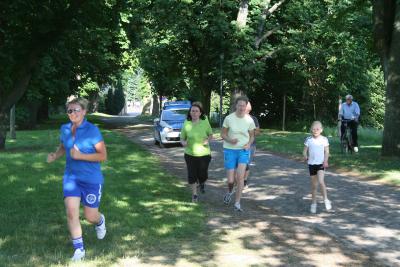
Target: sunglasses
point(74, 110)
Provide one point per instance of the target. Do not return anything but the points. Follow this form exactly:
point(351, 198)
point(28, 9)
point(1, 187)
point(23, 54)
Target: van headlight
point(168, 129)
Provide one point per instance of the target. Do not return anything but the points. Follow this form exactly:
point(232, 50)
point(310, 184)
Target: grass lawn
point(368, 162)
point(147, 211)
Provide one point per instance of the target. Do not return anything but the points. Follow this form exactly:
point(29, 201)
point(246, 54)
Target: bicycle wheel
point(350, 141)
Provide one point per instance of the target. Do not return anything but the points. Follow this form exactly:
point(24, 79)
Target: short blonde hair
point(82, 102)
point(315, 123)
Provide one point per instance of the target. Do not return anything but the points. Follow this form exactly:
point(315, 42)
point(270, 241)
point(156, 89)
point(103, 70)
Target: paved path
point(366, 216)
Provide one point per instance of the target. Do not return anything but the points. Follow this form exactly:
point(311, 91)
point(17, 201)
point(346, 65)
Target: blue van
point(167, 128)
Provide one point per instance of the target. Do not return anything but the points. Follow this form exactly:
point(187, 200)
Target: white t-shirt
point(238, 128)
point(316, 147)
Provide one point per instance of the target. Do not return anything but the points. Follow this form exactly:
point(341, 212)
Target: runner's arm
point(305, 153)
point(99, 156)
point(326, 156)
point(224, 135)
point(60, 151)
point(183, 139)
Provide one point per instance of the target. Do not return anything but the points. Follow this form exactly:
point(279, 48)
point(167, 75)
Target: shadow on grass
point(148, 216)
point(147, 212)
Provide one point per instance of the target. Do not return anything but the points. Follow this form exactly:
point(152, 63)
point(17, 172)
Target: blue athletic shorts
point(90, 194)
point(234, 157)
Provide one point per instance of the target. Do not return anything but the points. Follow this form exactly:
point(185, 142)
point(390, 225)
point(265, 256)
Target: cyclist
point(350, 112)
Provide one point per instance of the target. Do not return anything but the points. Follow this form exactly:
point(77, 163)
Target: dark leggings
point(197, 168)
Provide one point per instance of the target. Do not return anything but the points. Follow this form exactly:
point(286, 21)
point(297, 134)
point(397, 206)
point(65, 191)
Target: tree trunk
point(339, 117)
point(391, 133)
point(93, 98)
point(387, 42)
point(3, 129)
point(206, 100)
point(13, 134)
point(261, 25)
point(242, 13)
point(284, 112)
point(235, 94)
point(146, 108)
point(160, 103)
point(155, 111)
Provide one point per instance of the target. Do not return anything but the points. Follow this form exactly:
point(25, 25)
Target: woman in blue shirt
point(83, 145)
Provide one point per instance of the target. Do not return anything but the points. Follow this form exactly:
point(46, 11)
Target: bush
point(115, 100)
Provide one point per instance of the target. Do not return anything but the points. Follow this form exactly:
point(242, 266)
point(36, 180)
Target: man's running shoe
point(195, 198)
point(355, 149)
point(101, 229)
point(79, 254)
point(202, 188)
point(237, 207)
point(228, 198)
point(313, 208)
point(328, 204)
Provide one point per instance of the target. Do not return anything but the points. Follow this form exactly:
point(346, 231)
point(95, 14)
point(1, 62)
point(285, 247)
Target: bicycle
point(346, 141)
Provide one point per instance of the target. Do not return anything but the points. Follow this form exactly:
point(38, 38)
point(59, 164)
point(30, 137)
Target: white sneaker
point(237, 207)
point(101, 230)
point(328, 204)
point(79, 254)
point(355, 149)
point(313, 208)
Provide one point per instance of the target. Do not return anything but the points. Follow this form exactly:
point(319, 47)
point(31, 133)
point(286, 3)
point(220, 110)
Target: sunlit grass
point(368, 162)
point(147, 210)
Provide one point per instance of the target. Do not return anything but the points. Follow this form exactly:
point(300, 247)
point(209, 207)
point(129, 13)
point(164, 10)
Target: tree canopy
point(307, 54)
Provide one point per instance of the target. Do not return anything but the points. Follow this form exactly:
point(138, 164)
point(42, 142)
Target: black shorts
point(197, 168)
point(315, 168)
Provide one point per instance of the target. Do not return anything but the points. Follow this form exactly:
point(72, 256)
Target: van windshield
point(174, 114)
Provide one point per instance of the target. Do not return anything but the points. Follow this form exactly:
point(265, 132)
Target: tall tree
point(45, 45)
point(25, 37)
point(387, 41)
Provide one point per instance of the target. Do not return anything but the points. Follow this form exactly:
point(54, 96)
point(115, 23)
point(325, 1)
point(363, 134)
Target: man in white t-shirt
point(316, 153)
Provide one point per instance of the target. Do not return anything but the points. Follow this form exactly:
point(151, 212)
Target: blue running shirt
point(86, 137)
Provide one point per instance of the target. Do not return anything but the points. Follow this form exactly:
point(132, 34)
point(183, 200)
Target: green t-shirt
point(238, 128)
point(195, 134)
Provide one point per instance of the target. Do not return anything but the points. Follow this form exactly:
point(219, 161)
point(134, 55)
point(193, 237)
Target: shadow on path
point(276, 228)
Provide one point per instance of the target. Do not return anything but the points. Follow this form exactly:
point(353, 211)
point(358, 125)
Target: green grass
point(368, 162)
point(147, 210)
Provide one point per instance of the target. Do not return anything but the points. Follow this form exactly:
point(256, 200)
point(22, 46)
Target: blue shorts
point(90, 194)
point(234, 157)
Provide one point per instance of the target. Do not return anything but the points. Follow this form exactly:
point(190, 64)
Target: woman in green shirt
point(195, 137)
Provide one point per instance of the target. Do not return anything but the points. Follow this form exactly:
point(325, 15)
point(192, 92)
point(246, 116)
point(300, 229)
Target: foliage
point(324, 51)
point(314, 52)
point(45, 47)
point(115, 99)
